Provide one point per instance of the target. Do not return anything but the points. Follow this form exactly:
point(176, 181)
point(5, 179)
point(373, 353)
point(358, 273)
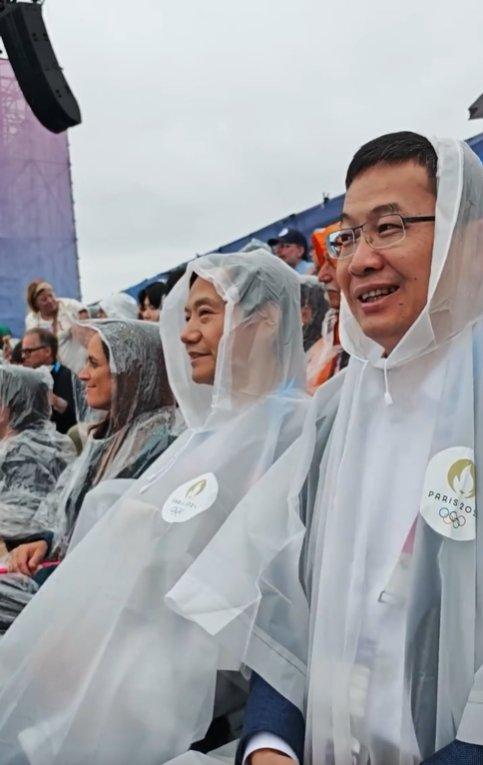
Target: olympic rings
point(452, 518)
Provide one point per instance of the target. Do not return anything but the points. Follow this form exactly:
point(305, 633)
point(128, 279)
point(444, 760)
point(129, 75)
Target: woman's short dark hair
point(393, 149)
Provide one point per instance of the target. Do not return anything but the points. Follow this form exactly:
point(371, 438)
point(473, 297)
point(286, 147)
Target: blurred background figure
point(291, 247)
point(47, 311)
point(313, 308)
point(326, 357)
point(6, 345)
point(152, 299)
point(119, 306)
point(39, 348)
point(32, 454)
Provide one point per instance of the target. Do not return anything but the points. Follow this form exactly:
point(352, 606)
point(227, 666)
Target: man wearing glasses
point(39, 348)
point(395, 563)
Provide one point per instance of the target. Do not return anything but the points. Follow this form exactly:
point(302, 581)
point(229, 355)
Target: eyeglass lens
point(385, 231)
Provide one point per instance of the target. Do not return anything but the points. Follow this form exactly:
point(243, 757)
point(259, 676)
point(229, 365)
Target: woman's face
point(149, 312)
point(46, 303)
point(205, 316)
point(97, 376)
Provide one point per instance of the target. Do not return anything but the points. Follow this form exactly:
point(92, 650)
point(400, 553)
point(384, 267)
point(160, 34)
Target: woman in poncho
point(125, 378)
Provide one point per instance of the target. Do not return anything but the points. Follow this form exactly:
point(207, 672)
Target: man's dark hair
point(393, 149)
point(46, 338)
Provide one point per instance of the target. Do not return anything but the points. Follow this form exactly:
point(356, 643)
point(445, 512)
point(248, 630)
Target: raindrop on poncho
point(148, 605)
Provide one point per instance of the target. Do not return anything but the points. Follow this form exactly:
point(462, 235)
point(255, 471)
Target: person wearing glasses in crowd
point(326, 357)
point(39, 348)
point(393, 564)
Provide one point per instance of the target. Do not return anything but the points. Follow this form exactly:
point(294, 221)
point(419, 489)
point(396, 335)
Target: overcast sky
point(204, 120)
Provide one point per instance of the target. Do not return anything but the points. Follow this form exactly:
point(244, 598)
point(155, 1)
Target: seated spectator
point(152, 300)
point(148, 657)
point(314, 308)
point(39, 348)
point(326, 357)
point(119, 306)
point(125, 376)
point(47, 311)
point(32, 454)
point(292, 248)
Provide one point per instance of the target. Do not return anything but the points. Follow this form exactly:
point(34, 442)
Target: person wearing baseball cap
point(291, 247)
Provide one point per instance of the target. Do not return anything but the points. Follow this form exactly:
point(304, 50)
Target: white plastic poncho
point(396, 550)
point(120, 306)
point(32, 453)
point(137, 429)
point(119, 676)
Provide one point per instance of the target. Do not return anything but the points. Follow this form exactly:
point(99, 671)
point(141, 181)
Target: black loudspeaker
point(36, 68)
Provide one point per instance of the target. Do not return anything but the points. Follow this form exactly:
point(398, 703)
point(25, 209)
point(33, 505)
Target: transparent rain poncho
point(137, 431)
point(120, 306)
point(395, 560)
point(139, 634)
point(32, 453)
point(137, 426)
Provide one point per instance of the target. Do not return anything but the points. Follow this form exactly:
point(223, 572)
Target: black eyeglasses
point(27, 351)
point(381, 233)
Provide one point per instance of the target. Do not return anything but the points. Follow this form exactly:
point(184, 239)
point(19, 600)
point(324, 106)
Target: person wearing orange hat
point(326, 357)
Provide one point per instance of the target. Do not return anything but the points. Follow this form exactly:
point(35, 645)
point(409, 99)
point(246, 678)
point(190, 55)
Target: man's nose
point(189, 334)
point(364, 259)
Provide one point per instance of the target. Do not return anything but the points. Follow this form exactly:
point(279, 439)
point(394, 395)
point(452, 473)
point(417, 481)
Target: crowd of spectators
point(210, 532)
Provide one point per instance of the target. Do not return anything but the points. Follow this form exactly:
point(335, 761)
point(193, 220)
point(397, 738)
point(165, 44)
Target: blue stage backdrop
point(37, 229)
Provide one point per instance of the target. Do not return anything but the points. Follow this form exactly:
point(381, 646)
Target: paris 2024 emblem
point(448, 503)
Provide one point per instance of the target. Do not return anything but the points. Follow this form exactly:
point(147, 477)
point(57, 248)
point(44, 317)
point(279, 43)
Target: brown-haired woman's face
point(96, 375)
point(205, 316)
